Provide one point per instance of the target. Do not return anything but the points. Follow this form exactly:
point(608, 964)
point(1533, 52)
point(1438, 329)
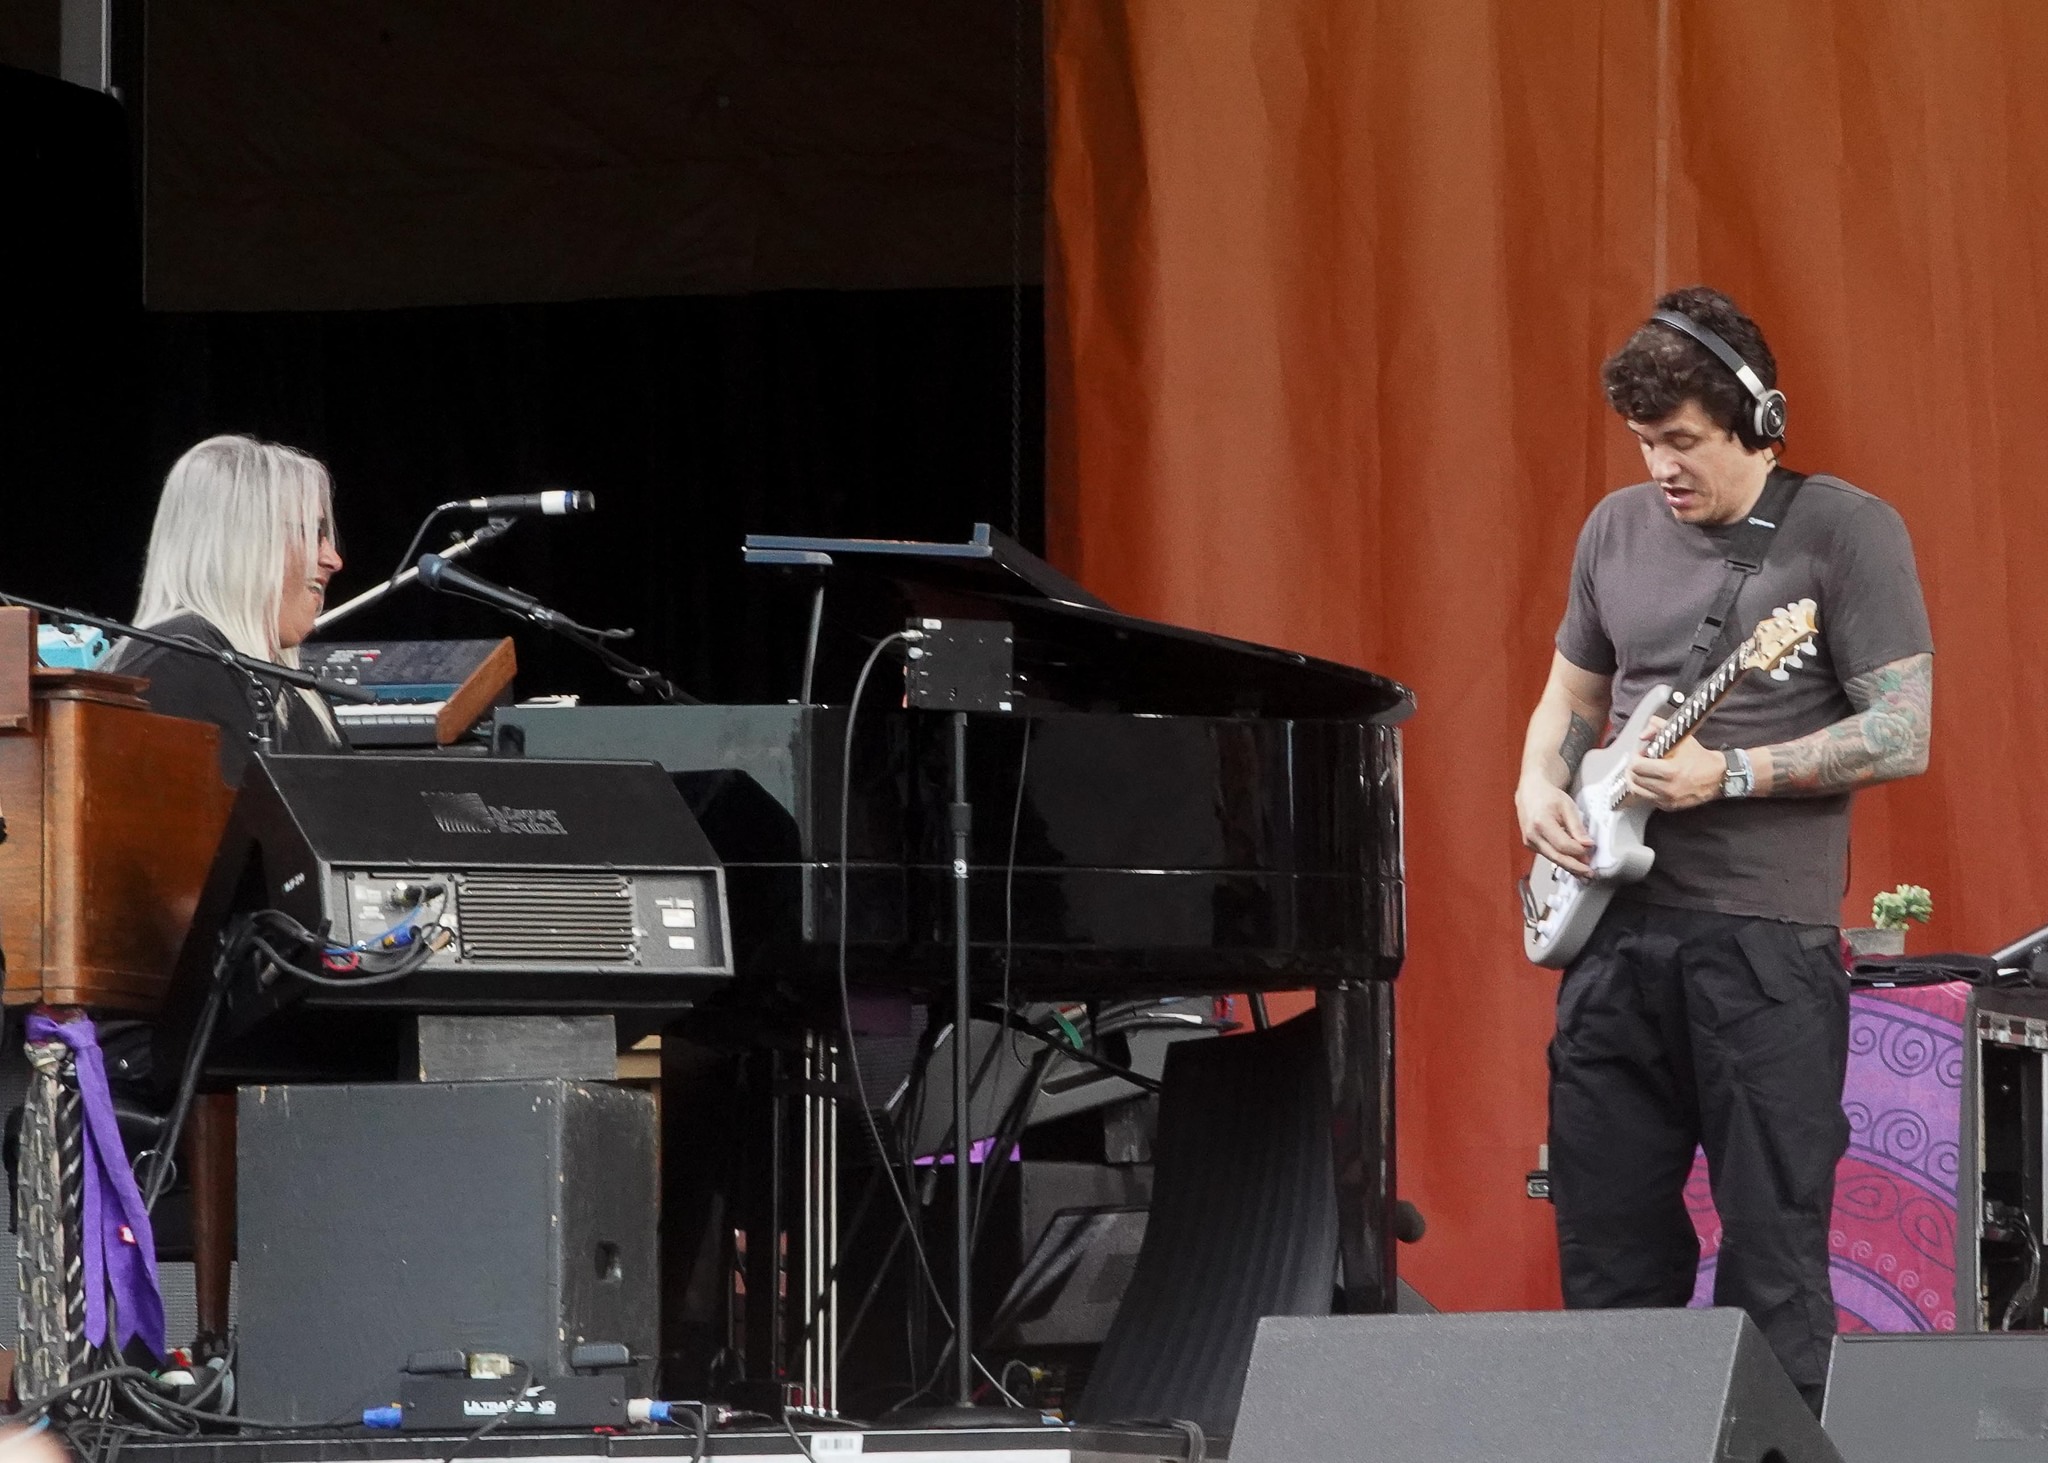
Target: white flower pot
point(1875, 942)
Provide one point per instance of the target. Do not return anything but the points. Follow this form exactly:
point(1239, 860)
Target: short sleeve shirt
point(1641, 581)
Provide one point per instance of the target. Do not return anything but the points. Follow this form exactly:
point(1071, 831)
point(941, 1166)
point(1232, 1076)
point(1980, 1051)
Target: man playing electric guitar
point(1709, 1005)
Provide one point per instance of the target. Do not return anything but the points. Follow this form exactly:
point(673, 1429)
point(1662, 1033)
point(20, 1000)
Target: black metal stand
point(963, 665)
point(961, 816)
point(444, 579)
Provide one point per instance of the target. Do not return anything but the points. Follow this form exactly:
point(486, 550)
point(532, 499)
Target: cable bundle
point(109, 1402)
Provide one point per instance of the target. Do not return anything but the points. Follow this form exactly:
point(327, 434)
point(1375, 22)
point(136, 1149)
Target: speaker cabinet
point(1676, 1386)
point(381, 1220)
point(1956, 1398)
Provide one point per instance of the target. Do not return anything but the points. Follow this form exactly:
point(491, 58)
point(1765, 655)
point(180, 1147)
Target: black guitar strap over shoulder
point(1747, 547)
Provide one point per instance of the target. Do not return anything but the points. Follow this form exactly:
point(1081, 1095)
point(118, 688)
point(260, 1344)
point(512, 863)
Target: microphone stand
point(255, 669)
point(639, 677)
point(496, 528)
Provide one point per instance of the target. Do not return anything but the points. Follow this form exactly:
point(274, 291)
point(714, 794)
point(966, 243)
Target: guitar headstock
point(1778, 644)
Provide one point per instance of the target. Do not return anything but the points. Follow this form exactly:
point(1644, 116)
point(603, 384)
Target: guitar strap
point(1747, 547)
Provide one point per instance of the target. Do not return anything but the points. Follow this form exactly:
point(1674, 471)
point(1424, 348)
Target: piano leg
point(1358, 1044)
point(210, 1159)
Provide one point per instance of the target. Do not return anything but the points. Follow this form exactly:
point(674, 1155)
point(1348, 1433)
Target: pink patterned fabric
point(1894, 1233)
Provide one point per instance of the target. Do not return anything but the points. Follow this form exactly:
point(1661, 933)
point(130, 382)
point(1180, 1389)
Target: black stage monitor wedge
point(537, 885)
point(1650, 1386)
point(1956, 1398)
point(381, 1221)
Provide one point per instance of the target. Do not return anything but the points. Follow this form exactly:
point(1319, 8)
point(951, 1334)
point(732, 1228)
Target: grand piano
point(1155, 811)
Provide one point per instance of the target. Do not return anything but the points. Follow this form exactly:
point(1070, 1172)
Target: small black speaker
point(1960, 1399)
point(1674, 1386)
point(377, 1221)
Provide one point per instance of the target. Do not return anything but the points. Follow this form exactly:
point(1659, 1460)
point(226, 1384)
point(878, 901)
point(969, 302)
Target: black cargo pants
point(1678, 1027)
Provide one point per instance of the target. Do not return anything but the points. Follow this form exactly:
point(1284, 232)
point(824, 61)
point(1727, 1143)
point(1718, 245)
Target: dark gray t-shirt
point(1641, 580)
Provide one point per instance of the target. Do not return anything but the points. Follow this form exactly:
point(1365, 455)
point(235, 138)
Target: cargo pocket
point(1775, 958)
point(1823, 950)
point(1785, 1068)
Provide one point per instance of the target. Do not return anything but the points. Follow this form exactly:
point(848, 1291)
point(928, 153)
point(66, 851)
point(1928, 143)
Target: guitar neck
point(1693, 710)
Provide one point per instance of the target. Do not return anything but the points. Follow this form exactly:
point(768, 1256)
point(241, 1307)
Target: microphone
point(439, 574)
point(1408, 1224)
point(553, 503)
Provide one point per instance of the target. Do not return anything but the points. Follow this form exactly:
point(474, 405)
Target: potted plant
point(1889, 913)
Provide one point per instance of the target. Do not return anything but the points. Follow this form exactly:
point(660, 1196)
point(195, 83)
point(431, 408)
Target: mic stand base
point(962, 1417)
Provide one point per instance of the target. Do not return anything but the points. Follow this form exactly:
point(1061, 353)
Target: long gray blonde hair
point(231, 511)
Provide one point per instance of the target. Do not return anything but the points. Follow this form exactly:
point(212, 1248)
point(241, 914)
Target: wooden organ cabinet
point(112, 814)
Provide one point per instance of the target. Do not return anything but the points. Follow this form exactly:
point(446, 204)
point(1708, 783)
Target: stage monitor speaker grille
point(1959, 1399)
point(1673, 1386)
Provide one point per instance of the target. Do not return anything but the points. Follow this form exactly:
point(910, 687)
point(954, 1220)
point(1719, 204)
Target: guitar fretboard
point(1693, 710)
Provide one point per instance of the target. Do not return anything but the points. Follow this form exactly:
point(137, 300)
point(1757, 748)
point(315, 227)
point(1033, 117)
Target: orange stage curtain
point(1329, 285)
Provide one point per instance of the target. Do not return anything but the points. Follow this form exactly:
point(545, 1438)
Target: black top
point(201, 689)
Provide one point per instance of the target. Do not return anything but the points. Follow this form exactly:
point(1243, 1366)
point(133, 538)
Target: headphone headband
point(1768, 420)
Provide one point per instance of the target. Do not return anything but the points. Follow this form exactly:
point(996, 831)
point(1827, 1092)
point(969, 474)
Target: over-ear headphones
point(1768, 419)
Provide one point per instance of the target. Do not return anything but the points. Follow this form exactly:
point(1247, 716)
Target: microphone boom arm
point(495, 528)
point(445, 578)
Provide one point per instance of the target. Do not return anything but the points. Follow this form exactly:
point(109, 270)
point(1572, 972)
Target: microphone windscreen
point(557, 501)
point(1409, 1225)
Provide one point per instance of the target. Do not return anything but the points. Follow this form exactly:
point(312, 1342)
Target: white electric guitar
point(1560, 909)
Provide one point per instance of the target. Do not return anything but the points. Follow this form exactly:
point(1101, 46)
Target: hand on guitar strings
point(1551, 826)
point(1691, 775)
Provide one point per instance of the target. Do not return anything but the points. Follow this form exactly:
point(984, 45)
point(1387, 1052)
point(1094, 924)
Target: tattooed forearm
point(1578, 740)
point(1885, 739)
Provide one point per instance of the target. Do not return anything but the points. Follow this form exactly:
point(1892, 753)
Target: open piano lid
point(1072, 650)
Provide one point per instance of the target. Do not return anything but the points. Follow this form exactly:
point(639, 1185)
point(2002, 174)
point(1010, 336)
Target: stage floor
point(878, 1445)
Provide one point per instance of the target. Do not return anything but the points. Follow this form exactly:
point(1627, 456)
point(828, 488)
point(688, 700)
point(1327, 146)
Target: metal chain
point(44, 1363)
point(70, 1135)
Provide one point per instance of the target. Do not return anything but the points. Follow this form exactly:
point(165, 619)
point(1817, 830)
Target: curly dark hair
point(1659, 370)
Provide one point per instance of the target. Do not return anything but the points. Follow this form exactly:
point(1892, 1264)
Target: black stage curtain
point(71, 325)
point(363, 154)
point(695, 421)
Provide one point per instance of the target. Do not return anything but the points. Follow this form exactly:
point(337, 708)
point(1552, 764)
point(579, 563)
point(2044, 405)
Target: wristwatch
point(1740, 778)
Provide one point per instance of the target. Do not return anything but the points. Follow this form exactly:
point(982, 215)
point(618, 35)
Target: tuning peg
point(1781, 674)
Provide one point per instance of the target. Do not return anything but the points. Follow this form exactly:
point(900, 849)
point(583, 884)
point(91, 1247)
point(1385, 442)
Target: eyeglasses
point(327, 534)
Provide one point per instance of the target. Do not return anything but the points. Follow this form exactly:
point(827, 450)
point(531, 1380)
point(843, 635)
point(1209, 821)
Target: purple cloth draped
point(1892, 1237)
point(120, 1248)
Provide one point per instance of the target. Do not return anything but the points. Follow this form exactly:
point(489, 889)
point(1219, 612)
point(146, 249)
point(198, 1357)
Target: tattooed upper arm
point(1896, 703)
point(1886, 738)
